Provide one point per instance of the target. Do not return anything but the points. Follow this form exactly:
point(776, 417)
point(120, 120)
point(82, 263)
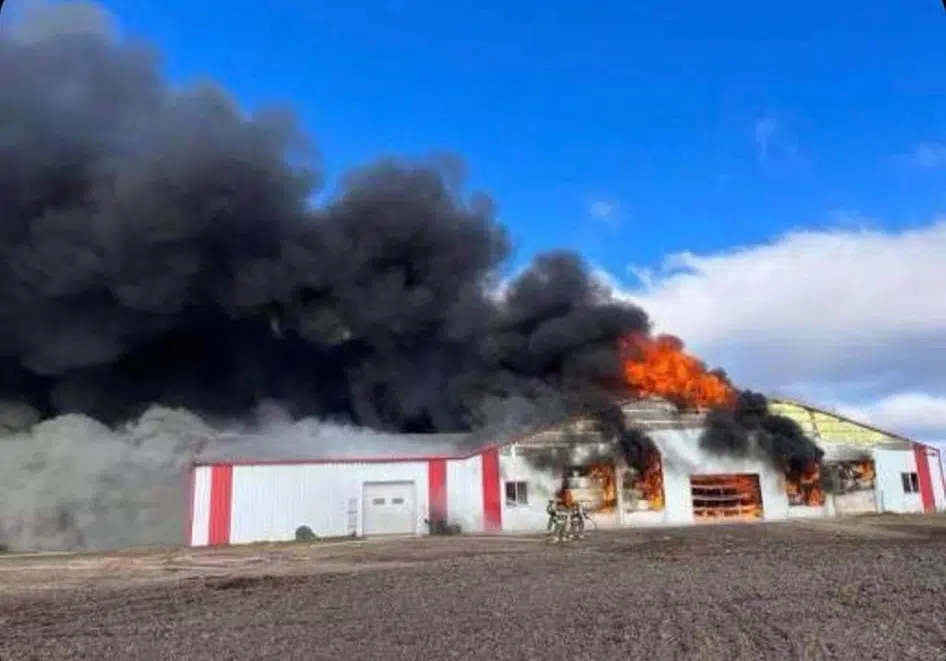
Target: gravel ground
point(858, 589)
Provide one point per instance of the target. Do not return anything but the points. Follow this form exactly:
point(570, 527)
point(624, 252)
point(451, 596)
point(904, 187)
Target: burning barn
point(171, 274)
point(679, 480)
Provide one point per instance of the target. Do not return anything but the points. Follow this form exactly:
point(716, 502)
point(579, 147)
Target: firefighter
point(558, 521)
point(577, 521)
point(550, 509)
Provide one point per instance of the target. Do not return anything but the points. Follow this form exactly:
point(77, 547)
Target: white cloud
point(851, 318)
point(920, 411)
point(772, 143)
point(601, 209)
point(927, 155)
point(604, 211)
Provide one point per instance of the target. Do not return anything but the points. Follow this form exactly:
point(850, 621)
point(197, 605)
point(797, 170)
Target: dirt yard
point(871, 588)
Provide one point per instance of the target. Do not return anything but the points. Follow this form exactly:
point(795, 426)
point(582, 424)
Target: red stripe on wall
point(492, 506)
point(925, 479)
point(221, 499)
point(437, 489)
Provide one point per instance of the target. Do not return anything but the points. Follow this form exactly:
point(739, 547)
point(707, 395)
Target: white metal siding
point(200, 519)
point(271, 501)
point(542, 485)
point(465, 493)
point(388, 508)
point(890, 464)
point(683, 457)
point(858, 502)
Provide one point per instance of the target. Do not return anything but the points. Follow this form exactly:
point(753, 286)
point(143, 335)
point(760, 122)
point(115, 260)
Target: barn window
point(911, 482)
point(517, 494)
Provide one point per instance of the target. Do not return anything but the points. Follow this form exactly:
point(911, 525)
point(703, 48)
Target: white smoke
point(71, 482)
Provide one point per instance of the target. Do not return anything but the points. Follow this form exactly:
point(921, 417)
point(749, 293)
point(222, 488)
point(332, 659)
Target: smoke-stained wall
point(683, 457)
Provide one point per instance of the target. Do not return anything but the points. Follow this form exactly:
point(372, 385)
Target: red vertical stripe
point(221, 498)
point(492, 505)
point(925, 479)
point(437, 489)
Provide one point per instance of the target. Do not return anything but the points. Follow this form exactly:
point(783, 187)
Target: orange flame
point(804, 488)
point(864, 470)
point(726, 497)
point(650, 484)
point(659, 366)
point(603, 498)
point(603, 475)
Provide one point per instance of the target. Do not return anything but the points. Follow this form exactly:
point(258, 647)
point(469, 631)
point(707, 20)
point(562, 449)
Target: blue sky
point(658, 111)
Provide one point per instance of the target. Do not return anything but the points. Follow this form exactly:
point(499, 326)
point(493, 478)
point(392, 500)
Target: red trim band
point(221, 500)
point(924, 477)
point(492, 505)
point(437, 490)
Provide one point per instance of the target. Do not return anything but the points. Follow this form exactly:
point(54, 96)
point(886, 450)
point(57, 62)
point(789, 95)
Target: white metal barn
point(237, 501)
point(505, 487)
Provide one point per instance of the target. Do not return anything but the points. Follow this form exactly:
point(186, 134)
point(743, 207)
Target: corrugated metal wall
point(890, 495)
point(683, 457)
point(270, 502)
point(250, 503)
point(200, 512)
point(541, 485)
point(465, 493)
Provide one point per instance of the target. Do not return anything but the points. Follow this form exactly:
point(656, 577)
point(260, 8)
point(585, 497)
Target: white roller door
point(389, 508)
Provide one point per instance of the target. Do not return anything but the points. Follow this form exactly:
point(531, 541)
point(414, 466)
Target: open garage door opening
point(726, 497)
point(389, 508)
point(853, 486)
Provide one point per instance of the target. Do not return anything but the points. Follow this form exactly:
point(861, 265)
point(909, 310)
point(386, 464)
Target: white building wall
point(890, 496)
point(271, 501)
point(683, 457)
point(200, 514)
point(543, 485)
point(465, 493)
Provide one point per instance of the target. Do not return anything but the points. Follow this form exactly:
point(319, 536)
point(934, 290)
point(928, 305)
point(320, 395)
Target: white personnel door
point(389, 508)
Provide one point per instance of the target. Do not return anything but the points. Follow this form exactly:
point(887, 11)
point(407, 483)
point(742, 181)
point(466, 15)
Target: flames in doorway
point(726, 497)
point(804, 486)
point(644, 491)
point(595, 486)
point(856, 476)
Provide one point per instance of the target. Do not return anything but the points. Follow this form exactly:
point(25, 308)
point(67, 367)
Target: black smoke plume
point(635, 445)
point(749, 427)
point(158, 245)
point(161, 256)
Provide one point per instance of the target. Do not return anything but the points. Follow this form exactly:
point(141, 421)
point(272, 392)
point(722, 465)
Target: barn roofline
point(456, 456)
point(840, 416)
point(498, 445)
